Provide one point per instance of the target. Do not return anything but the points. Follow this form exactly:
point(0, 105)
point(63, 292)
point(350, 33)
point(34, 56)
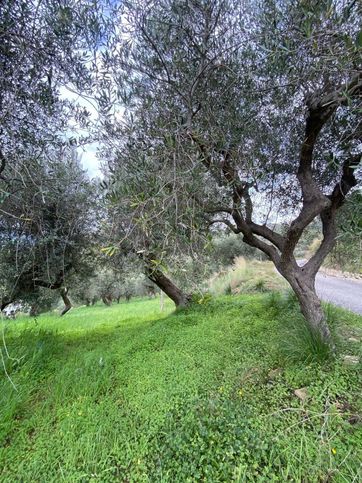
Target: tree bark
point(34, 310)
point(303, 286)
point(107, 299)
point(66, 300)
point(179, 298)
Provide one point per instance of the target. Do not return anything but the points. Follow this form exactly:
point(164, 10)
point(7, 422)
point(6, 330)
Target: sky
point(88, 152)
point(89, 160)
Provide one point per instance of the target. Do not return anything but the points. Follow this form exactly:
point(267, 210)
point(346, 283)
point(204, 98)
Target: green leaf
point(109, 250)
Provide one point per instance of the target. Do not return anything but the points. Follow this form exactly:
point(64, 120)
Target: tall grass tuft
point(245, 277)
point(331, 313)
point(300, 343)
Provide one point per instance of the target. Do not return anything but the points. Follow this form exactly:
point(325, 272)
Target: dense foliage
point(46, 229)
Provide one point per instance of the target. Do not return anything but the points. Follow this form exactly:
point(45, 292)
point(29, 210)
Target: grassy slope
point(127, 393)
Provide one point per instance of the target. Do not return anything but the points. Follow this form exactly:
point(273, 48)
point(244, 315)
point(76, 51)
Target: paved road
point(341, 291)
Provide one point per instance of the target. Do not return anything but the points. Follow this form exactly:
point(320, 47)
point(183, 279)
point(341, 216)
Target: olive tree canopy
point(235, 112)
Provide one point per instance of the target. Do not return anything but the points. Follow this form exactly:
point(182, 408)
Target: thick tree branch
point(270, 235)
point(50, 285)
point(57, 284)
point(254, 241)
point(347, 182)
point(308, 212)
point(218, 209)
point(5, 302)
point(2, 163)
point(314, 201)
point(320, 111)
point(328, 218)
point(241, 194)
point(226, 222)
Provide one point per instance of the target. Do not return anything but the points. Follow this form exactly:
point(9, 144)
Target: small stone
point(350, 360)
point(274, 373)
point(353, 339)
point(301, 393)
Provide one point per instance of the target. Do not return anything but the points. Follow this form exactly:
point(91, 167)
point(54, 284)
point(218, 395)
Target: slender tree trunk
point(179, 298)
point(66, 300)
point(34, 310)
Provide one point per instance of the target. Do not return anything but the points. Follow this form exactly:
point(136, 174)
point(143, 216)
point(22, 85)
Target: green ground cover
point(128, 393)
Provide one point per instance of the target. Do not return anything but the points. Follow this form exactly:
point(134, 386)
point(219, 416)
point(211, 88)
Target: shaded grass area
point(127, 393)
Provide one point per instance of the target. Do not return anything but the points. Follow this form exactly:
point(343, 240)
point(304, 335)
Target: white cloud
point(88, 152)
point(90, 161)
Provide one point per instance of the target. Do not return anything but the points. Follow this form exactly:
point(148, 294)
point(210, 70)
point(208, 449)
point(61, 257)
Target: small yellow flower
point(221, 389)
point(334, 451)
point(240, 392)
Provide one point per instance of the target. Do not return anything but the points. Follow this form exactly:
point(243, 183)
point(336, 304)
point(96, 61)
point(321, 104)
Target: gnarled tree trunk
point(179, 298)
point(66, 300)
point(320, 202)
point(303, 286)
point(107, 299)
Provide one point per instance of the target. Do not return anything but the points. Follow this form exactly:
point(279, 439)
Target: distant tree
point(347, 253)
point(44, 48)
point(231, 107)
point(225, 248)
point(46, 230)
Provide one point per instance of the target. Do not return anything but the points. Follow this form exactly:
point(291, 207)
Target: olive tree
point(44, 47)
point(245, 111)
point(47, 230)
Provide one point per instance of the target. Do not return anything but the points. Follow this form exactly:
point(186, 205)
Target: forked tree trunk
point(179, 298)
point(66, 300)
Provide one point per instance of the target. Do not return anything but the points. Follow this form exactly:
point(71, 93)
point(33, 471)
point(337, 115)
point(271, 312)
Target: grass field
point(128, 393)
